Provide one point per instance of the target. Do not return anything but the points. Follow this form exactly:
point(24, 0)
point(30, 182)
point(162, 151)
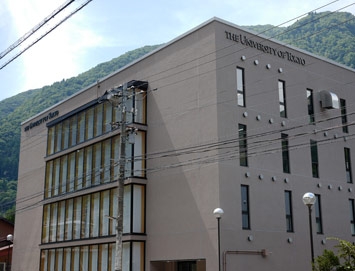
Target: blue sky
point(105, 29)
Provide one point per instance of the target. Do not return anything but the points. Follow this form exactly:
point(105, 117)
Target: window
point(349, 177)
point(352, 216)
point(344, 117)
point(282, 99)
point(94, 257)
point(310, 105)
point(314, 157)
point(93, 122)
point(245, 207)
point(285, 154)
point(243, 146)
point(187, 266)
point(240, 87)
point(318, 211)
point(93, 165)
point(288, 208)
point(87, 216)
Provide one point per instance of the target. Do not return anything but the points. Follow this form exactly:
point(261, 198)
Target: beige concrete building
point(221, 117)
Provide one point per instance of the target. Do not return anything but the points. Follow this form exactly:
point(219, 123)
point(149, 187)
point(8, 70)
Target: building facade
point(6, 238)
point(218, 117)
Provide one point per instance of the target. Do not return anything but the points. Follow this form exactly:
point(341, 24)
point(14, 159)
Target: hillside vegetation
point(331, 35)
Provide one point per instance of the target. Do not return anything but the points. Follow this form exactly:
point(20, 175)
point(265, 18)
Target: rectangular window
point(89, 131)
point(288, 208)
point(245, 207)
point(352, 216)
point(240, 86)
point(243, 146)
point(349, 177)
point(187, 266)
point(98, 120)
point(73, 131)
point(58, 137)
point(314, 157)
point(310, 105)
point(50, 140)
point(285, 154)
point(318, 214)
point(344, 116)
point(66, 133)
point(107, 118)
point(282, 99)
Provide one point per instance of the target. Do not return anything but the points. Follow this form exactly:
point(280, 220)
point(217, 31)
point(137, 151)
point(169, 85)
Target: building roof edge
point(203, 24)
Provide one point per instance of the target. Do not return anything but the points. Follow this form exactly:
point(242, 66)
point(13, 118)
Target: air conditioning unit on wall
point(2, 266)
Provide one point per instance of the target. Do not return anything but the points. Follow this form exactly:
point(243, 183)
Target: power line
point(35, 29)
point(45, 34)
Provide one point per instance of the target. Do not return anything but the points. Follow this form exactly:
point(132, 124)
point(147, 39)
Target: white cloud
point(105, 29)
point(58, 55)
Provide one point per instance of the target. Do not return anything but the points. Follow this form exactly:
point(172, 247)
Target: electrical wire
point(44, 35)
point(35, 29)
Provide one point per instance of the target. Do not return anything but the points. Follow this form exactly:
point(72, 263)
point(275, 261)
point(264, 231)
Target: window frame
point(289, 211)
point(318, 214)
point(240, 86)
point(310, 104)
point(344, 116)
point(286, 166)
point(243, 145)
point(245, 207)
point(348, 169)
point(282, 98)
point(314, 158)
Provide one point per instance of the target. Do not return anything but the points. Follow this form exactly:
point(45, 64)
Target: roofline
point(7, 221)
point(213, 19)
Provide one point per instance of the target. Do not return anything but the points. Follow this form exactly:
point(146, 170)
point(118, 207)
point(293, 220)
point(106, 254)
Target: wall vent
point(329, 100)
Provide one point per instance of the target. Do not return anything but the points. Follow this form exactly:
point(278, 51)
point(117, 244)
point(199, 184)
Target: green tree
point(343, 261)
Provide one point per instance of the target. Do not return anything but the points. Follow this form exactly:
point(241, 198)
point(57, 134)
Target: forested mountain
point(331, 35)
point(327, 34)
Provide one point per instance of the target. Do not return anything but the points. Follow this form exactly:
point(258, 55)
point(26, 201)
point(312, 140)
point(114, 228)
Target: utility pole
point(118, 98)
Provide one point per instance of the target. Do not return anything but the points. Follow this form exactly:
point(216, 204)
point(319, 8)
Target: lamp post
point(218, 212)
point(309, 199)
point(10, 239)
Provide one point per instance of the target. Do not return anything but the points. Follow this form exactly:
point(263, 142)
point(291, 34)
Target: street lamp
point(10, 239)
point(218, 212)
point(309, 199)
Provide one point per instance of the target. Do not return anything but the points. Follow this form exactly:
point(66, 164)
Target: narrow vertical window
point(318, 214)
point(288, 209)
point(81, 127)
point(285, 154)
point(344, 116)
point(240, 86)
point(314, 157)
point(245, 207)
point(349, 177)
point(243, 146)
point(89, 131)
point(352, 216)
point(310, 105)
point(50, 140)
point(58, 137)
point(282, 99)
point(73, 131)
